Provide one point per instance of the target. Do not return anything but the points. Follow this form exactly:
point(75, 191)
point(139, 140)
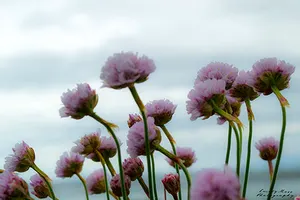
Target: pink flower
point(270, 71)
point(13, 187)
point(133, 167)
point(242, 87)
point(22, 159)
point(198, 104)
point(96, 182)
point(108, 147)
point(268, 148)
point(136, 138)
point(39, 186)
point(133, 118)
point(78, 102)
point(87, 144)
point(69, 164)
point(161, 110)
point(171, 183)
point(219, 71)
point(126, 68)
point(186, 154)
point(115, 185)
point(211, 184)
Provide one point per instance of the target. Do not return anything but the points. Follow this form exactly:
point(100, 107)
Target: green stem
point(113, 195)
point(154, 179)
point(238, 163)
point(105, 173)
point(271, 171)
point(109, 129)
point(279, 151)
point(222, 113)
point(47, 180)
point(241, 142)
point(180, 163)
point(84, 185)
point(228, 144)
point(143, 185)
point(282, 100)
point(250, 118)
point(172, 142)
point(110, 167)
point(147, 145)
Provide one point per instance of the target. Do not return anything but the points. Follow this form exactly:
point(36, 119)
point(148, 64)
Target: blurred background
point(49, 46)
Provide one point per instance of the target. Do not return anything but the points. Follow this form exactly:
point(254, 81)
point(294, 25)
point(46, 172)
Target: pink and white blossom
point(69, 164)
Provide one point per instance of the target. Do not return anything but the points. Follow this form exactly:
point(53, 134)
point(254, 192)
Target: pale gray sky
point(49, 46)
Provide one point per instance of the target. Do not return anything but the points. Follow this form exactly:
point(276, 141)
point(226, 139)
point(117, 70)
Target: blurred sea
point(287, 187)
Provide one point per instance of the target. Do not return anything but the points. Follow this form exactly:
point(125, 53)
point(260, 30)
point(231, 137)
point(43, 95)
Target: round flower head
point(232, 106)
point(87, 144)
point(69, 164)
point(126, 68)
point(22, 159)
point(198, 104)
point(96, 182)
point(13, 187)
point(115, 185)
point(242, 87)
point(136, 138)
point(78, 102)
point(161, 110)
point(108, 147)
point(40, 188)
point(219, 71)
point(171, 183)
point(268, 148)
point(211, 184)
point(133, 167)
point(186, 154)
point(270, 71)
point(133, 118)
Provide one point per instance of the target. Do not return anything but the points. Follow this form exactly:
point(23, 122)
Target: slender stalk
point(147, 145)
point(154, 179)
point(113, 195)
point(109, 129)
point(172, 142)
point(238, 163)
point(143, 185)
point(110, 167)
point(165, 194)
point(84, 185)
point(271, 170)
point(47, 180)
point(222, 113)
point(105, 173)
point(250, 118)
point(228, 144)
point(280, 147)
point(180, 163)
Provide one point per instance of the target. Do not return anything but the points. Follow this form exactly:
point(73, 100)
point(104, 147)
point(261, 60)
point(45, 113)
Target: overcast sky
point(49, 46)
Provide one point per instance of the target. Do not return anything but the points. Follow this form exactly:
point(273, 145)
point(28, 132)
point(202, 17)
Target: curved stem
point(147, 145)
point(222, 113)
point(238, 163)
point(180, 163)
point(154, 179)
point(110, 167)
point(47, 180)
point(279, 151)
point(250, 118)
point(105, 173)
point(282, 100)
point(172, 142)
point(111, 132)
point(271, 171)
point(143, 185)
point(228, 144)
point(84, 185)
